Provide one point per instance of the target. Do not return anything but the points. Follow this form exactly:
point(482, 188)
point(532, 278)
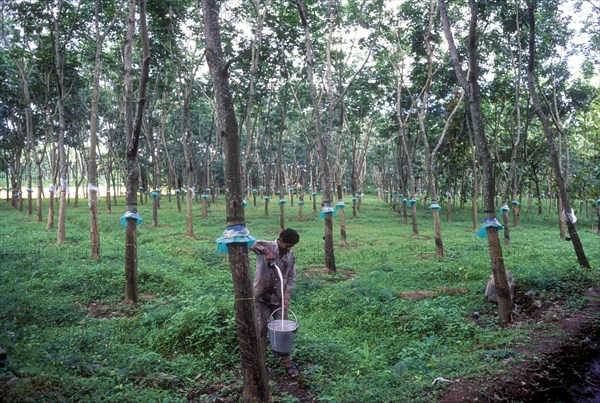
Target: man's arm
point(260, 249)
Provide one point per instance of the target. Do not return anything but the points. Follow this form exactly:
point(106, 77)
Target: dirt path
point(558, 367)
point(294, 387)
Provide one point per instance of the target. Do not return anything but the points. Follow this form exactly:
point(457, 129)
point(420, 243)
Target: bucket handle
point(278, 309)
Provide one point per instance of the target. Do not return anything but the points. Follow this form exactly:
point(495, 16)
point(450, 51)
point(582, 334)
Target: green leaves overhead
point(388, 35)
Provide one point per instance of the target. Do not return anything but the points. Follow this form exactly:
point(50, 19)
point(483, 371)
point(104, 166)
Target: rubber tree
point(58, 54)
point(548, 132)
point(153, 151)
point(324, 134)
point(92, 166)
point(256, 44)
point(133, 127)
point(24, 75)
point(322, 140)
point(256, 383)
point(469, 83)
point(516, 120)
point(397, 58)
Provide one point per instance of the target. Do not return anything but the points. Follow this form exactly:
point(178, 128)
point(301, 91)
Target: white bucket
point(282, 333)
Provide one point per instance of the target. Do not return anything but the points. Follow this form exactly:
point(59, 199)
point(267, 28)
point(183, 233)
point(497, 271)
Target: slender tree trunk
point(92, 168)
point(132, 136)
point(62, 160)
point(50, 221)
point(205, 206)
point(256, 384)
point(471, 86)
point(437, 226)
point(343, 241)
point(322, 142)
point(255, 56)
point(403, 146)
point(506, 221)
point(186, 139)
point(107, 177)
point(561, 218)
point(449, 211)
point(430, 155)
point(40, 183)
point(516, 113)
point(577, 245)
point(29, 135)
point(281, 213)
point(154, 152)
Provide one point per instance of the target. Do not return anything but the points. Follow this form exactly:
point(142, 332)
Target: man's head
point(288, 238)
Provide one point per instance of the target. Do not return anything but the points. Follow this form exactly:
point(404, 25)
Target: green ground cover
point(68, 337)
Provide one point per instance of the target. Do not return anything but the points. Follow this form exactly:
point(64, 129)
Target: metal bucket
point(282, 333)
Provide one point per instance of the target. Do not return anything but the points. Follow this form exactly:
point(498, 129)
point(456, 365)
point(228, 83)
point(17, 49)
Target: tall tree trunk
point(515, 129)
point(254, 58)
point(577, 245)
point(132, 136)
point(40, 179)
point(281, 213)
point(256, 384)
point(471, 86)
point(475, 176)
point(439, 248)
point(172, 184)
point(402, 145)
point(93, 188)
point(186, 133)
point(322, 142)
point(28, 133)
point(62, 159)
point(54, 177)
point(561, 218)
point(153, 152)
point(506, 222)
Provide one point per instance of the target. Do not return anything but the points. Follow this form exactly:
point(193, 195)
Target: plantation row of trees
point(479, 99)
point(390, 106)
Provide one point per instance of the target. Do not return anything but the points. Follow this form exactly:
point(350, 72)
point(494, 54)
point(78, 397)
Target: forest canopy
point(379, 67)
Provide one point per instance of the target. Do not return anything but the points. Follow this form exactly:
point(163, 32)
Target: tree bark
point(281, 213)
point(322, 141)
point(471, 86)
point(40, 180)
point(28, 133)
point(402, 145)
point(92, 169)
point(62, 159)
point(132, 137)
point(256, 384)
point(254, 58)
point(577, 245)
point(506, 222)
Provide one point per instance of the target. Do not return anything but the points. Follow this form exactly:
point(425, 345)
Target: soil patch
point(98, 310)
point(434, 293)
point(319, 272)
point(290, 387)
point(558, 366)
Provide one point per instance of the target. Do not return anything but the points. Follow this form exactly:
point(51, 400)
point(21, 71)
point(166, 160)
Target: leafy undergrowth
point(392, 320)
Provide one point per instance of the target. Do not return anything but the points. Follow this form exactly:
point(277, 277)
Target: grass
point(69, 337)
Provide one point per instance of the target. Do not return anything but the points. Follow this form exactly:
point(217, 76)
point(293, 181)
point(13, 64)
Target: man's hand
point(286, 303)
point(270, 259)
